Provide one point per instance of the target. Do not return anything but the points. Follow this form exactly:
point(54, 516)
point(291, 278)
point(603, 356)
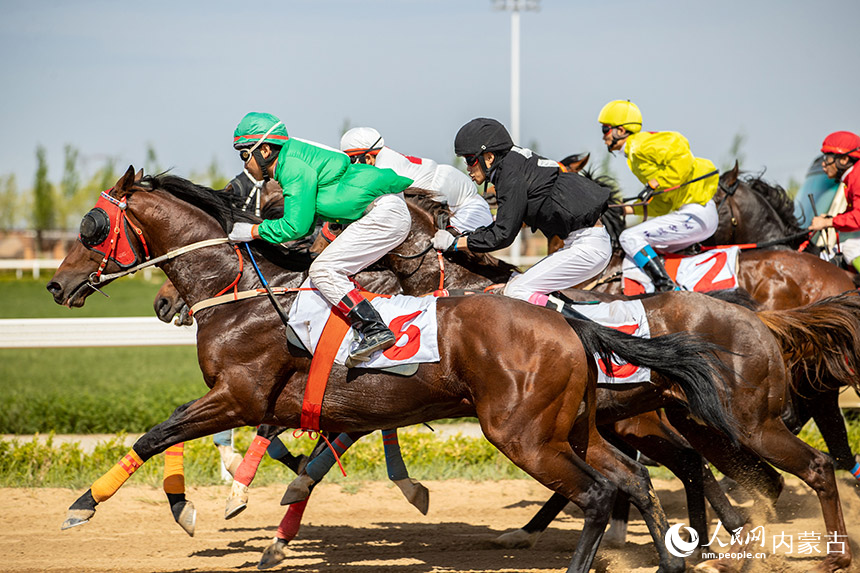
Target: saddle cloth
point(629, 317)
point(712, 270)
point(412, 319)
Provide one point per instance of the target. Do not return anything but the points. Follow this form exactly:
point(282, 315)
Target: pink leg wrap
point(248, 468)
point(292, 520)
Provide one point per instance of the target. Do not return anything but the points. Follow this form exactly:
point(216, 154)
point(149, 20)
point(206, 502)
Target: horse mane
point(612, 219)
point(426, 199)
point(776, 197)
point(224, 208)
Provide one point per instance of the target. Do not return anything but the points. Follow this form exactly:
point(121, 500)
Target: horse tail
point(685, 359)
point(820, 338)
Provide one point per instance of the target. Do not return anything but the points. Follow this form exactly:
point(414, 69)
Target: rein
point(96, 278)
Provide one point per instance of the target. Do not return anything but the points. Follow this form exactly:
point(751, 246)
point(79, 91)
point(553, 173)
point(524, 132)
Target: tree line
point(59, 206)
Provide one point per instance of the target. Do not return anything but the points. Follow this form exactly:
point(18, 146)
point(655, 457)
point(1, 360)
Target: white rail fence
point(35, 266)
point(79, 332)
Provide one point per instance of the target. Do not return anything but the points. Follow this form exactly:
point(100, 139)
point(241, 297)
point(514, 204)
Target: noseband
point(106, 230)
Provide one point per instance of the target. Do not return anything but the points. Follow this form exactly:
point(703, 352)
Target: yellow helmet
point(621, 112)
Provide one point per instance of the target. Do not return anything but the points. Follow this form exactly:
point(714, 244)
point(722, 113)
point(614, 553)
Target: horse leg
point(526, 536)
point(321, 461)
point(824, 407)
point(230, 458)
point(237, 500)
point(202, 417)
point(287, 530)
point(174, 487)
point(414, 491)
point(616, 534)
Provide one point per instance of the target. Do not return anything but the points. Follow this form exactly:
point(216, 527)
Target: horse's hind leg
point(237, 500)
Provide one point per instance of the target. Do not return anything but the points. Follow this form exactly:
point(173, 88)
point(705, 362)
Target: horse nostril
point(53, 287)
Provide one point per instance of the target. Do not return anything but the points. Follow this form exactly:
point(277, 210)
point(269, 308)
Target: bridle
point(116, 245)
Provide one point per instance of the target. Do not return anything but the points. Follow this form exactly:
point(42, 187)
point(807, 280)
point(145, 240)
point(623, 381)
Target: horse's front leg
point(202, 417)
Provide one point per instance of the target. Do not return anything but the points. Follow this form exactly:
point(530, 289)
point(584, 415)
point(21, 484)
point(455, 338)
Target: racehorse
point(752, 210)
point(254, 377)
point(799, 332)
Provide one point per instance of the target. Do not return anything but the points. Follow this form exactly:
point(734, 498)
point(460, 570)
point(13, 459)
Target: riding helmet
point(842, 143)
point(482, 134)
point(620, 113)
point(256, 126)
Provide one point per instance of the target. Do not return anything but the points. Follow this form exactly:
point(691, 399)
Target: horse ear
point(578, 166)
point(731, 176)
point(126, 181)
point(138, 176)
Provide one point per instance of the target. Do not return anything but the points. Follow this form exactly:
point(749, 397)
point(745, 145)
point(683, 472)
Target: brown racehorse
point(546, 384)
point(668, 313)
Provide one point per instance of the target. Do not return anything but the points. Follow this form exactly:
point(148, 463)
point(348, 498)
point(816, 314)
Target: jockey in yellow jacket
point(682, 211)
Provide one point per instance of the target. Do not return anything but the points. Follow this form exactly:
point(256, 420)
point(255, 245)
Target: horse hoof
point(416, 493)
point(273, 554)
point(77, 517)
point(298, 490)
point(187, 518)
point(237, 501)
point(517, 539)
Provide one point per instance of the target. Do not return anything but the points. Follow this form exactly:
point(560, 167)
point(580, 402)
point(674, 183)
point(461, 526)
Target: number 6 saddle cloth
point(715, 269)
point(411, 319)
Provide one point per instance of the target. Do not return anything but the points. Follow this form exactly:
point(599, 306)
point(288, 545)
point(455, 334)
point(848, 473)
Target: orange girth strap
point(332, 335)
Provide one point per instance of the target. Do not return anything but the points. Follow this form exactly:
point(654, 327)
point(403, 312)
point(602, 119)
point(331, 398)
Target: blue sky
point(113, 77)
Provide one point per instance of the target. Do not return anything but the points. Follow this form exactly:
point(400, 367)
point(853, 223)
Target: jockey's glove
point(444, 241)
point(241, 233)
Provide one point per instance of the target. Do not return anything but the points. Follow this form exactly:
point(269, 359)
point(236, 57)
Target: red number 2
point(707, 284)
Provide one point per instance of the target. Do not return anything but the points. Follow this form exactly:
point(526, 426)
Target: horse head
point(168, 304)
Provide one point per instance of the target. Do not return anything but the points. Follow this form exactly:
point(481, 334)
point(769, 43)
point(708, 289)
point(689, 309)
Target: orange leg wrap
point(107, 485)
point(248, 468)
point(174, 472)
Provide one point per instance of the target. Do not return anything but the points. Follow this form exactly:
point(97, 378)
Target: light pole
point(515, 6)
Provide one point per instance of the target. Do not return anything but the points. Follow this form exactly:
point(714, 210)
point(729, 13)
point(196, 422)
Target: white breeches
point(362, 243)
point(673, 231)
point(585, 254)
point(474, 212)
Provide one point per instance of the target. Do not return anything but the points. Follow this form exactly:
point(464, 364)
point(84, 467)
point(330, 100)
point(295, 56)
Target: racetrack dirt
point(372, 529)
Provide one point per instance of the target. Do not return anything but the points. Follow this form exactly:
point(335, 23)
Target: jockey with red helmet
point(841, 151)
point(320, 183)
point(682, 215)
point(453, 187)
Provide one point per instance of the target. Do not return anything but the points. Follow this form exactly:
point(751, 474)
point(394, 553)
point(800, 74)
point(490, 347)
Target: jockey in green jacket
point(320, 182)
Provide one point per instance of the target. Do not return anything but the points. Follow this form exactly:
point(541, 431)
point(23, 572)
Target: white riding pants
point(585, 254)
point(474, 212)
point(673, 231)
point(362, 243)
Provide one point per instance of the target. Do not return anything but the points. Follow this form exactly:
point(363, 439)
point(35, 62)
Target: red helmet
point(842, 143)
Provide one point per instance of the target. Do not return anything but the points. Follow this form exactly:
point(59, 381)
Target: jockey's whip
point(275, 302)
point(648, 194)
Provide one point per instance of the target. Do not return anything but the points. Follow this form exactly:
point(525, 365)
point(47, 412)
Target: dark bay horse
point(547, 384)
point(755, 387)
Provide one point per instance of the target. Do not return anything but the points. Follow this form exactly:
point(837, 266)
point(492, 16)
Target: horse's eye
point(95, 227)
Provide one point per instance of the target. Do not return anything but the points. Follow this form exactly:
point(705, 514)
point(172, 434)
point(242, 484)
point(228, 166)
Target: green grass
point(44, 464)
point(28, 298)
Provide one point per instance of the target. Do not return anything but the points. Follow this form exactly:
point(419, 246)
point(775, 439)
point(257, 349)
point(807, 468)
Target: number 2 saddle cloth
point(712, 270)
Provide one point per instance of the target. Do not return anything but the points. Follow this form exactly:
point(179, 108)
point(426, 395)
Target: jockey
point(535, 191)
point(682, 209)
point(452, 187)
point(841, 151)
point(321, 183)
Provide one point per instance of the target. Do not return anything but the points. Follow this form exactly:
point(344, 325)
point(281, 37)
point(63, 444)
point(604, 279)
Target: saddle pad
point(629, 317)
point(412, 319)
point(712, 270)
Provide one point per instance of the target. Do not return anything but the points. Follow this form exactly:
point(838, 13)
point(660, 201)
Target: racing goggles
point(246, 154)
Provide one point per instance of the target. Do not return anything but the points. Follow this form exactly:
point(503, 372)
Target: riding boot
point(565, 305)
point(648, 261)
point(373, 333)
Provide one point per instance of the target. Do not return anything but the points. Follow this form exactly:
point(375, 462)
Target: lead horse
point(254, 377)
